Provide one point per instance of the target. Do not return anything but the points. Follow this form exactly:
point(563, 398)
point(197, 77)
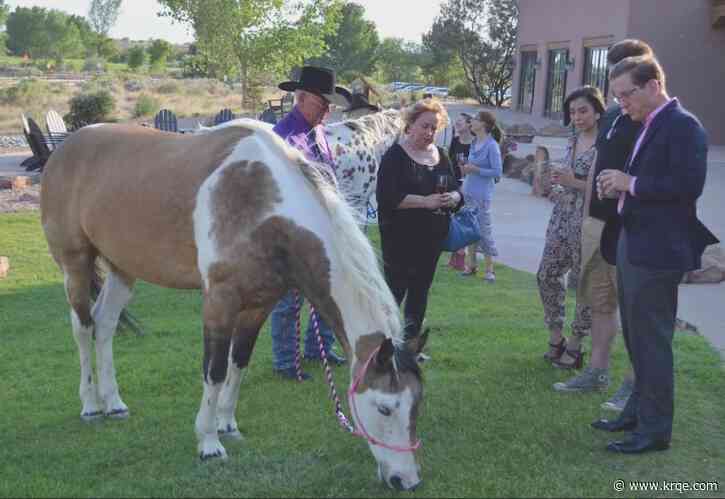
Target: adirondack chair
point(38, 145)
point(166, 120)
point(57, 131)
point(223, 116)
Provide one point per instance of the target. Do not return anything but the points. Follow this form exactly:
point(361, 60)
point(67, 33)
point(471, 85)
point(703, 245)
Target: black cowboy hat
point(359, 101)
point(319, 81)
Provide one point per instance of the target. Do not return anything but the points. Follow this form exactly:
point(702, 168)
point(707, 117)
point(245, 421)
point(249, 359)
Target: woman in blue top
point(481, 173)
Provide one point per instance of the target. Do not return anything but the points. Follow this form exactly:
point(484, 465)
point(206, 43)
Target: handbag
point(463, 230)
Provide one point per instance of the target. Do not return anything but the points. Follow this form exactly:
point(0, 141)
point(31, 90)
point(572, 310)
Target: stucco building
point(562, 44)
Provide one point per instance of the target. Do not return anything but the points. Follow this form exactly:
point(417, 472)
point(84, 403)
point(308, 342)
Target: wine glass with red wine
point(441, 188)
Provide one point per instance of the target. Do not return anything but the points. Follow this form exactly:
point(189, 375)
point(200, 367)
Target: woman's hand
point(435, 201)
point(563, 176)
point(451, 199)
point(468, 168)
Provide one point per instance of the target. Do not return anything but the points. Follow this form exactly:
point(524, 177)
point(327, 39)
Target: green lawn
point(491, 424)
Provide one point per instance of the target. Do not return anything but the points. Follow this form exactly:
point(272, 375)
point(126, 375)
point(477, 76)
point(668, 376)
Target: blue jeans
point(283, 334)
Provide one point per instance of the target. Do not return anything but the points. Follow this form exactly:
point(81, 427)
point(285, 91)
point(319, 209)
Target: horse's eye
point(385, 411)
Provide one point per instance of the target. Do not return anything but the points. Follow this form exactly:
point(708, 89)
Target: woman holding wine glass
point(562, 250)
point(416, 192)
point(484, 165)
point(458, 153)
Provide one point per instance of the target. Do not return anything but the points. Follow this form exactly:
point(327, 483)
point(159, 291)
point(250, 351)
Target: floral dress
point(562, 250)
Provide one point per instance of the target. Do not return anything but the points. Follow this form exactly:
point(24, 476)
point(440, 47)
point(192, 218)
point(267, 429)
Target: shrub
point(169, 87)
point(146, 105)
point(25, 93)
point(461, 91)
point(89, 108)
point(93, 64)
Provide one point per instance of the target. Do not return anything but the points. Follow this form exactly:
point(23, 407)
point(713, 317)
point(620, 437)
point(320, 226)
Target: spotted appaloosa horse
point(241, 215)
point(357, 147)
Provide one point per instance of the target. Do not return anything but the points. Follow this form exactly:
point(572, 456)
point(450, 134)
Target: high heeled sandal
point(556, 351)
point(577, 363)
point(469, 271)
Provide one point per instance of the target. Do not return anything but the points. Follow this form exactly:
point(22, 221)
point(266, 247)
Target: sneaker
point(619, 399)
point(590, 380)
point(490, 277)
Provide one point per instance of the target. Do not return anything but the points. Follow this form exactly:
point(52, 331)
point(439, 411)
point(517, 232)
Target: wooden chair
point(223, 116)
point(57, 131)
point(37, 142)
point(166, 120)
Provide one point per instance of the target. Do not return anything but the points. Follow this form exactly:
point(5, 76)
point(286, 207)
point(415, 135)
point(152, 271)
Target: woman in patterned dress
point(562, 250)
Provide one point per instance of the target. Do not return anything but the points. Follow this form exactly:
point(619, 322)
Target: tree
point(43, 33)
point(4, 12)
point(481, 34)
point(136, 57)
point(248, 37)
point(159, 51)
point(352, 48)
point(103, 14)
point(398, 60)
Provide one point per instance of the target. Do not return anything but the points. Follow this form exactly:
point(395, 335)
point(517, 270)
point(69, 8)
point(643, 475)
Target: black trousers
point(648, 309)
point(411, 280)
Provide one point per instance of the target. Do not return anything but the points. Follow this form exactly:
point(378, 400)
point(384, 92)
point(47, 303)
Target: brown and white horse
point(244, 217)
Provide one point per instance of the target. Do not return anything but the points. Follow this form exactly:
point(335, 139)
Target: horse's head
point(385, 397)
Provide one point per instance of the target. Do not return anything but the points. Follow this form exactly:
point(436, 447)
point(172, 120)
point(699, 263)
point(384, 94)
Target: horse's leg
point(77, 275)
point(245, 336)
point(114, 297)
point(221, 308)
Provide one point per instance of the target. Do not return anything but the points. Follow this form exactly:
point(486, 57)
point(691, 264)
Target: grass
point(491, 424)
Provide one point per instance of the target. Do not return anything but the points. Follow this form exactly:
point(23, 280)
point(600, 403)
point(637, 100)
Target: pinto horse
point(242, 216)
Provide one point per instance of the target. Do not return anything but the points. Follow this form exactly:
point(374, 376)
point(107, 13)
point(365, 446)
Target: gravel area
point(13, 201)
point(12, 143)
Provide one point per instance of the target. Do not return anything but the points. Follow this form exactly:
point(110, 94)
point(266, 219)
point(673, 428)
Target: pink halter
point(361, 431)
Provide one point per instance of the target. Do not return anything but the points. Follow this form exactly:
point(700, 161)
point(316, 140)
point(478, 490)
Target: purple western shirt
point(311, 141)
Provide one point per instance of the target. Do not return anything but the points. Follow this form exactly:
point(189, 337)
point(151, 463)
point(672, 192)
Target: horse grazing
point(240, 215)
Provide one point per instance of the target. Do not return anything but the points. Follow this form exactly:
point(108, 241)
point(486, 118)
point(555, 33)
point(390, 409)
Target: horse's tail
point(126, 320)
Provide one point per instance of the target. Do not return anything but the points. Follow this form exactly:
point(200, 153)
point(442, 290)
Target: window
point(527, 81)
point(596, 73)
point(556, 83)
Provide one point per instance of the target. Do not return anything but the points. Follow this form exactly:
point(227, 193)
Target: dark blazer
point(661, 223)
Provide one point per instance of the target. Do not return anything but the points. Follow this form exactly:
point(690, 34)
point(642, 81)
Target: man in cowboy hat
point(359, 106)
point(302, 128)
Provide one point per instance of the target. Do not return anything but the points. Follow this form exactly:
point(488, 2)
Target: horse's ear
point(385, 354)
point(417, 343)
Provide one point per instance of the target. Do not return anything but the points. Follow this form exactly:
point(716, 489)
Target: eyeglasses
point(626, 95)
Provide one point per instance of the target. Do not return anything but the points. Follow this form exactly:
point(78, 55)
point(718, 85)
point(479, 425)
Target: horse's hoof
point(118, 414)
point(230, 434)
point(92, 417)
point(213, 456)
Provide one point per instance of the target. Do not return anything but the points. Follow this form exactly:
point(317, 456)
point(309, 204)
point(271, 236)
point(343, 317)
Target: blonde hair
point(431, 105)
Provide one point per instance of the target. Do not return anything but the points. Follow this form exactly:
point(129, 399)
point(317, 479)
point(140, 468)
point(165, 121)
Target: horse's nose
point(396, 482)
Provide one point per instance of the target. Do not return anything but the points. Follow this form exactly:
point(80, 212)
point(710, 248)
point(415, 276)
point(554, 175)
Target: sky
point(407, 19)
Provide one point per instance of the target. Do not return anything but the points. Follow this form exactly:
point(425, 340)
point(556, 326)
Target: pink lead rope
point(341, 418)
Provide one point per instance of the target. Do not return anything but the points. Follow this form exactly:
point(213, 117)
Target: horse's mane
point(359, 262)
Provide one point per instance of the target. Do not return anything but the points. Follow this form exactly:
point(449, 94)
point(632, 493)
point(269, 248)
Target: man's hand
point(612, 182)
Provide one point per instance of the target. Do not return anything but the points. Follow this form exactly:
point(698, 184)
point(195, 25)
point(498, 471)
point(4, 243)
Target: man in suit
point(654, 241)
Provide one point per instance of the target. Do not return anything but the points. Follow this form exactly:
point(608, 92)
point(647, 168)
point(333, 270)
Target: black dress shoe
point(332, 358)
point(615, 425)
point(291, 373)
point(638, 444)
